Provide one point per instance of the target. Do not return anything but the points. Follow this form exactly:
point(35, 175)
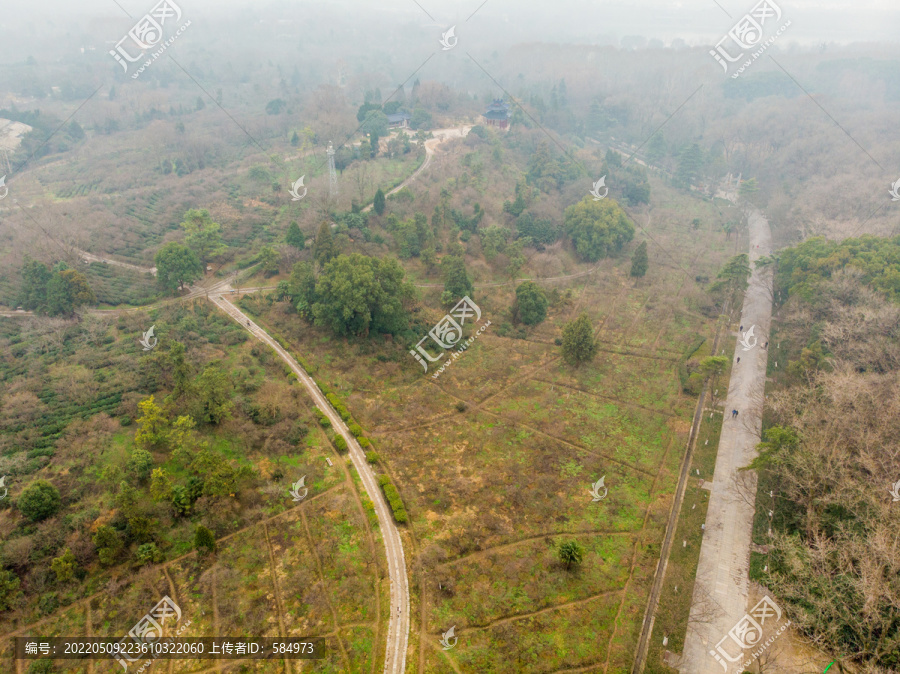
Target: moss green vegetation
point(803, 269)
point(196, 451)
point(598, 228)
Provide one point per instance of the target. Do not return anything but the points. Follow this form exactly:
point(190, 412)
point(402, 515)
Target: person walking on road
point(739, 359)
point(733, 413)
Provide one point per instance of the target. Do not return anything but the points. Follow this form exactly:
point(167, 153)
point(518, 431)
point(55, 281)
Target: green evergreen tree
point(39, 500)
point(531, 303)
point(127, 500)
point(457, 283)
point(176, 265)
point(690, 165)
point(748, 188)
point(108, 544)
point(612, 158)
point(33, 293)
point(713, 366)
point(295, 236)
point(324, 249)
point(378, 205)
point(140, 464)
point(656, 148)
point(302, 288)
point(148, 553)
point(181, 501)
point(9, 590)
point(202, 235)
point(181, 371)
point(204, 540)
point(268, 261)
point(578, 345)
point(64, 567)
point(213, 394)
point(67, 290)
point(733, 278)
point(358, 294)
point(376, 123)
point(75, 131)
point(640, 261)
point(153, 425)
point(597, 228)
point(570, 553)
point(160, 485)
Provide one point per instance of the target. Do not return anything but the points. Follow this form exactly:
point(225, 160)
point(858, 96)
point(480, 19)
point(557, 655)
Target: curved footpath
point(398, 624)
point(440, 135)
point(724, 566)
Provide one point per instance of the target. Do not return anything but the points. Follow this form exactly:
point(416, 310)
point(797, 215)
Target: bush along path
point(398, 624)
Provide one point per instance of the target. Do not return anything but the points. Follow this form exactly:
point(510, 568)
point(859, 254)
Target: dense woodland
point(830, 457)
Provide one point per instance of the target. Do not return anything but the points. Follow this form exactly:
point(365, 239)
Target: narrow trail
point(539, 537)
point(447, 657)
point(273, 569)
point(618, 401)
point(440, 135)
point(89, 257)
point(321, 572)
point(546, 609)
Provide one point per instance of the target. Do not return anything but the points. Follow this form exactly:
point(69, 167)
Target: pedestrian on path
point(766, 345)
point(742, 328)
point(739, 359)
point(733, 413)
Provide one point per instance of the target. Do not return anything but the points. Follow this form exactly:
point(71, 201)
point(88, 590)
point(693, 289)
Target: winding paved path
point(440, 135)
point(723, 583)
point(398, 624)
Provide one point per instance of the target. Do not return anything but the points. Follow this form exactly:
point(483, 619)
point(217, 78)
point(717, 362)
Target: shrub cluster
point(338, 405)
point(339, 443)
point(324, 421)
point(393, 497)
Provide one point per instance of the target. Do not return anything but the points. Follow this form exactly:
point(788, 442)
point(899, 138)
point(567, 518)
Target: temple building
point(497, 114)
